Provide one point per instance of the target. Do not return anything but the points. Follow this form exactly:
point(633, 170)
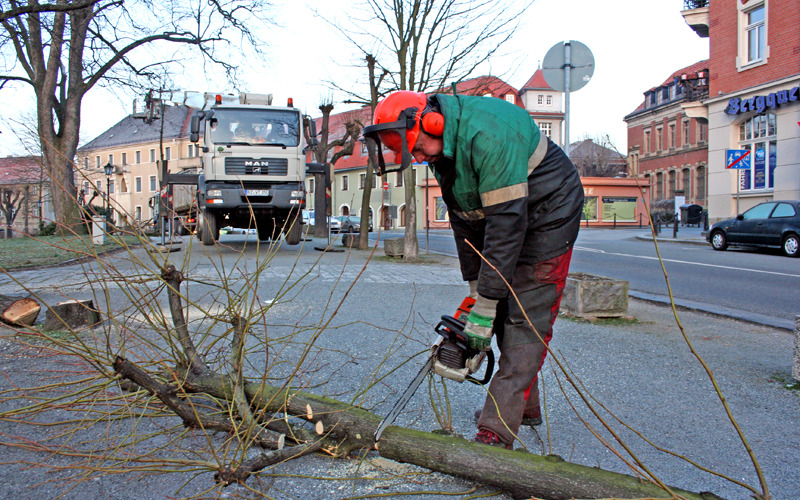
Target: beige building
point(133, 149)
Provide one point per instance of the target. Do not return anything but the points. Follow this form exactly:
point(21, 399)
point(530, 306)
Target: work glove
point(479, 323)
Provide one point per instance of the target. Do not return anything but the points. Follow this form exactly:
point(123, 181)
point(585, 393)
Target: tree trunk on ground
point(519, 473)
point(72, 314)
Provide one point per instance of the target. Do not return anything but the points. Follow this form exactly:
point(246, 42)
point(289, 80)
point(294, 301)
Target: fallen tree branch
point(519, 473)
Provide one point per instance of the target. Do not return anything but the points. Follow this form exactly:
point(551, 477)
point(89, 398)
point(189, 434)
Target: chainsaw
point(450, 356)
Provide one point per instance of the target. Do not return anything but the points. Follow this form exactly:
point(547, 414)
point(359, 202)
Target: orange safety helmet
point(397, 122)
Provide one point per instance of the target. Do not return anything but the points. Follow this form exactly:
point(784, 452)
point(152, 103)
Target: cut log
point(19, 311)
point(72, 314)
point(521, 474)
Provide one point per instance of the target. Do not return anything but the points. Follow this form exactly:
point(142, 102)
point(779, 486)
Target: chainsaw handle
point(487, 375)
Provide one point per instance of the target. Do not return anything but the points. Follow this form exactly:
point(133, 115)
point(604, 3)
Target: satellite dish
point(573, 55)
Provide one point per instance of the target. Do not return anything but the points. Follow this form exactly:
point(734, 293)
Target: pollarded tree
point(63, 50)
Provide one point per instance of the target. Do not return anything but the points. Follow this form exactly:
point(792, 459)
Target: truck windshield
point(255, 126)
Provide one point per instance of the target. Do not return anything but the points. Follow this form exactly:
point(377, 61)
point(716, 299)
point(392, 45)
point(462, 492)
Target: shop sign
point(760, 103)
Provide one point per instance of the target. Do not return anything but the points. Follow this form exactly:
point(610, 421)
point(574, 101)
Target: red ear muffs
point(432, 123)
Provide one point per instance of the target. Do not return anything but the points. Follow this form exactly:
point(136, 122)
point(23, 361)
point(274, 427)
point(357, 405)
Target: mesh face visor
point(375, 146)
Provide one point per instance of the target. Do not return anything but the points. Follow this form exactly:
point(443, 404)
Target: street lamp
point(109, 170)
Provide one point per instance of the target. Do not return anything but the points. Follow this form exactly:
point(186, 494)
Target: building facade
point(26, 203)
point(668, 139)
point(133, 148)
point(754, 100)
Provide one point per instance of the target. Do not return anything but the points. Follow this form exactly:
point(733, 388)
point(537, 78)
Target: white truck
point(253, 166)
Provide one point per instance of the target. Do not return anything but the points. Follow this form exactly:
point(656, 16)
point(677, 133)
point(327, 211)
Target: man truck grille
point(261, 166)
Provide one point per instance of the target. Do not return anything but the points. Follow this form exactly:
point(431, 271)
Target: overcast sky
point(636, 44)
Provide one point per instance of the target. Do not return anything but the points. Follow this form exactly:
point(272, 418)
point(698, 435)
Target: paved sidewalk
point(642, 371)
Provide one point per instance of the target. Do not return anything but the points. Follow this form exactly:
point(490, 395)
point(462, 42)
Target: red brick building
point(667, 144)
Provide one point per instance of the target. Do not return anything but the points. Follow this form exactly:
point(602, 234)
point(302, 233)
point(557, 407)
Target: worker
point(513, 195)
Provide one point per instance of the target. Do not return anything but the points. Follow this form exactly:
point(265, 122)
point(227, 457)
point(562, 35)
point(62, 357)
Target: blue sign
point(737, 158)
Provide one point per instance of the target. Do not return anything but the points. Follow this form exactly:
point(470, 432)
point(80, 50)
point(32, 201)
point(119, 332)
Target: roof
point(21, 170)
point(483, 85)
point(688, 70)
point(588, 147)
point(537, 82)
point(132, 130)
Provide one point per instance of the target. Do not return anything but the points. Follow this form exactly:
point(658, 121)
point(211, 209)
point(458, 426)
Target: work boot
point(486, 436)
point(535, 419)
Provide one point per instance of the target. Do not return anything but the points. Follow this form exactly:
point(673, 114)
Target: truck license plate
point(257, 192)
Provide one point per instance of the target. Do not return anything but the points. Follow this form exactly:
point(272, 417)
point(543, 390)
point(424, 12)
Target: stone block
point(394, 247)
point(796, 365)
point(591, 297)
point(350, 240)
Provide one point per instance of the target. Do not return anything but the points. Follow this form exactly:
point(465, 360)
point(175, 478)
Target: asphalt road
point(754, 285)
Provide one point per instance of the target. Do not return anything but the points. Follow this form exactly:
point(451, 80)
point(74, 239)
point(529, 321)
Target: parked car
point(334, 223)
point(773, 224)
point(351, 223)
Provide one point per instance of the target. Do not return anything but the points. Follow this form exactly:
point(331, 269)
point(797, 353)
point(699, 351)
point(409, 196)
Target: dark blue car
point(773, 224)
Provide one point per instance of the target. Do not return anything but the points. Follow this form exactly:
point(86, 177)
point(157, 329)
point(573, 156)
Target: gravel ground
point(641, 370)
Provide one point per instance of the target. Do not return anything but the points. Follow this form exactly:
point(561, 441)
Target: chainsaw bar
point(404, 399)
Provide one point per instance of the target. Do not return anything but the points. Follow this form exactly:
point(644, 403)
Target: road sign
point(573, 56)
point(737, 159)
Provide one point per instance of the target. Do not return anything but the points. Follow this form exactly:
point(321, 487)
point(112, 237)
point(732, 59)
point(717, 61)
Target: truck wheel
point(295, 233)
point(209, 227)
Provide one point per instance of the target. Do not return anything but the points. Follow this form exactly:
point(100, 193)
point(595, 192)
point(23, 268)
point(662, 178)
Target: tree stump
point(72, 314)
point(19, 311)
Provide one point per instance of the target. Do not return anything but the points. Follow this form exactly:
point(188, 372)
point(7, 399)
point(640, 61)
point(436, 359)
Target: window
point(111, 158)
point(700, 184)
point(152, 183)
point(659, 139)
point(686, 181)
point(138, 185)
point(759, 135)
point(546, 128)
point(589, 208)
point(138, 156)
point(549, 100)
point(510, 98)
point(97, 161)
point(672, 180)
point(311, 185)
point(441, 209)
point(110, 187)
point(686, 130)
point(167, 153)
point(647, 147)
point(755, 32)
point(540, 99)
point(138, 213)
point(701, 132)
point(99, 185)
point(671, 135)
point(152, 155)
point(784, 210)
point(399, 181)
point(362, 181)
point(345, 182)
point(190, 151)
point(659, 185)
point(124, 158)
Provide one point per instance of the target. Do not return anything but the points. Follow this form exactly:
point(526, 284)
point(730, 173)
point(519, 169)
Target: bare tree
point(63, 53)
point(597, 157)
point(325, 147)
point(422, 45)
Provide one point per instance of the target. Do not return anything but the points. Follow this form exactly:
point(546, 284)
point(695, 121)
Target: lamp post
point(109, 170)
